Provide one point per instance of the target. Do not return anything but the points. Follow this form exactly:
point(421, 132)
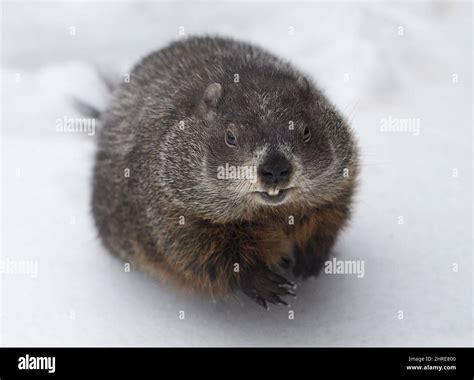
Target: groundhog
point(220, 167)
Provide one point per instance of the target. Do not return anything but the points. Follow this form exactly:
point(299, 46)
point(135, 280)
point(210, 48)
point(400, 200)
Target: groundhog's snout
point(275, 171)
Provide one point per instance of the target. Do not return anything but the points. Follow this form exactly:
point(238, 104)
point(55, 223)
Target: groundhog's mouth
point(275, 198)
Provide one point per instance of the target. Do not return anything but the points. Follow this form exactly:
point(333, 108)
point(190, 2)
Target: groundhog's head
point(271, 144)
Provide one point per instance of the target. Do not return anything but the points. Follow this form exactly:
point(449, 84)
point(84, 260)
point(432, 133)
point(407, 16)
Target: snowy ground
point(412, 225)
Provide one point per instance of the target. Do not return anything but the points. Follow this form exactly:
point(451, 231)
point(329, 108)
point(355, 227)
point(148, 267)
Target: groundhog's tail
point(88, 110)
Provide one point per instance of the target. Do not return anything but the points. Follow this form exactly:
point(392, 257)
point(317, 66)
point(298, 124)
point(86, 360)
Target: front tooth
point(273, 191)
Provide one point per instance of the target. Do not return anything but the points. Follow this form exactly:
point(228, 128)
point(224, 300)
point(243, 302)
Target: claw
point(289, 284)
point(281, 302)
point(280, 290)
point(262, 302)
point(275, 299)
point(264, 286)
point(277, 278)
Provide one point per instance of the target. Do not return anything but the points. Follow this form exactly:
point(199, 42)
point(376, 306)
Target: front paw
point(263, 286)
point(308, 263)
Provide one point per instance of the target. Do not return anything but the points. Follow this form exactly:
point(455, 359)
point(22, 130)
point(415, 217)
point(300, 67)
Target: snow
point(375, 61)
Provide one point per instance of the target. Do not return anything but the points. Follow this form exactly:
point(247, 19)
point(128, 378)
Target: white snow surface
point(412, 222)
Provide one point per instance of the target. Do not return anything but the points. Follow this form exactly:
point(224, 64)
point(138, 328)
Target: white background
point(372, 60)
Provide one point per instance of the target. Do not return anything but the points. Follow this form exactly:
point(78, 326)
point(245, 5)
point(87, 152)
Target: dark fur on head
point(188, 129)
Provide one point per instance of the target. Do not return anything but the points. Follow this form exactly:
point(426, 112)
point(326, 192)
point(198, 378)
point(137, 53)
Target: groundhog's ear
point(303, 84)
point(210, 99)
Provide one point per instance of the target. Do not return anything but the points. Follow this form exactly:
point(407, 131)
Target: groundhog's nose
point(275, 170)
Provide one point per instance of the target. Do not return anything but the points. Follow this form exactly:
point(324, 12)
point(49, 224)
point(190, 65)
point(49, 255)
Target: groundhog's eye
point(230, 138)
point(306, 134)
